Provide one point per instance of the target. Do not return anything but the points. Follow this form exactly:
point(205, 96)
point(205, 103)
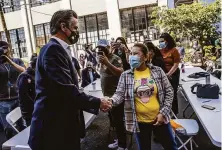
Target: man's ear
point(63, 27)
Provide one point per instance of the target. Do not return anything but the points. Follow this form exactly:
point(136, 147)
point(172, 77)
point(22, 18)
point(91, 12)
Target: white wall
point(43, 14)
point(133, 3)
point(85, 7)
point(13, 20)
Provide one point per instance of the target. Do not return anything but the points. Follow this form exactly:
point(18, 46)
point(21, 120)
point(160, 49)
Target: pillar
point(113, 15)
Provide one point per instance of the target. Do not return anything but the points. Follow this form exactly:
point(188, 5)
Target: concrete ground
point(97, 133)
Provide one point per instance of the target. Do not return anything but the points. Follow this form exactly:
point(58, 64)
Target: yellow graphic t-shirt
point(145, 91)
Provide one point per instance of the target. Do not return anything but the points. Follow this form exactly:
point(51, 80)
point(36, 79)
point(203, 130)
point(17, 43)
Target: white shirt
point(64, 45)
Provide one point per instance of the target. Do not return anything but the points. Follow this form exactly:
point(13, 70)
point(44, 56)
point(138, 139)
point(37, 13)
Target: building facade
point(28, 21)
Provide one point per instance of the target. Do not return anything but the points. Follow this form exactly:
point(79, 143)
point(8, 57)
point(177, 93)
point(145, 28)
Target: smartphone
point(208, 107)
point(100, 53)
point(116, 45)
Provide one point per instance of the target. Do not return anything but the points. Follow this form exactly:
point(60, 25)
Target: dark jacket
point(8, 77)
point(158, 61)
point(26, 94)
point(56, 121)
point(86, 77)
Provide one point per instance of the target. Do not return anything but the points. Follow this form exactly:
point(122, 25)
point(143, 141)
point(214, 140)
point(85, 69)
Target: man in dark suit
point(89, 74)
point(56, 121)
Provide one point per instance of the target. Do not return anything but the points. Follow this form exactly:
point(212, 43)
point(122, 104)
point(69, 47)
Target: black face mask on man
point(74, 37)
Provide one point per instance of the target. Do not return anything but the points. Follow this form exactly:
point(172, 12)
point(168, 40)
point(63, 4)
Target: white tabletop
point(210, 119)
point(22, 137)
point(97, 85)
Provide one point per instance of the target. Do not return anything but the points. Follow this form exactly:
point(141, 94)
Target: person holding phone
point(121, 49)
point(147, 95)
point(111, 69)
point(10, 68)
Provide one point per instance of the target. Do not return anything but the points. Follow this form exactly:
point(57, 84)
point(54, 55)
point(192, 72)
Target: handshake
point(106, 104)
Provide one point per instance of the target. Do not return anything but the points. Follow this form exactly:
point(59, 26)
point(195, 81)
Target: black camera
point(3, 51)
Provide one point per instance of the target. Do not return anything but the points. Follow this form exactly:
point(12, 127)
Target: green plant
point(195, 21)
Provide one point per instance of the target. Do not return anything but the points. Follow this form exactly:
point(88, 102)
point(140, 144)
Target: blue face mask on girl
point(134, 61)
point(162, 45)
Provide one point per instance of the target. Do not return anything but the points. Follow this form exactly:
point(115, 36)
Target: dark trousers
point(163, 133)
point(175, 83)
point(116, 120)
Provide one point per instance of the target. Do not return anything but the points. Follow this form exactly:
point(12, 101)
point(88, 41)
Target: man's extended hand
point(105, 105)
point(103, 59)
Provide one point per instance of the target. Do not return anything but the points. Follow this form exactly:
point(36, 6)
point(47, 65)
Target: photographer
point(90, 54)
point(10, 68)
point(111, 69)
point(120, 49)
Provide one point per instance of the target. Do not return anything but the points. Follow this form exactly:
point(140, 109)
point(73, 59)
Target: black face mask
point(74, 37)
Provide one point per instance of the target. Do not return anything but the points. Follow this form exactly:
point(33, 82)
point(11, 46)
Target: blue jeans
point(163, 133)
point(5, 108)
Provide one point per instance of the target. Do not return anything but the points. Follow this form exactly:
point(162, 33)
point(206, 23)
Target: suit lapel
point(71, 67)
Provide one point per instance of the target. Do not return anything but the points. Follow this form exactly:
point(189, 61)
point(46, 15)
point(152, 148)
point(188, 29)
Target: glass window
point(16, 5)
point(92, 32)
point(103, 26)
point(127, 24)
point(82, 34)
point(47, 31)
point(3, 36)
point(140, 22)
point(39, 2)
point(14, 43)
point(7, 6)
point(136, 24)
point(11, 5)
point(40, 36)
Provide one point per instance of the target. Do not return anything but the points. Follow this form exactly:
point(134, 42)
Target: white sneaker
point(120, 148)
point(113, 145)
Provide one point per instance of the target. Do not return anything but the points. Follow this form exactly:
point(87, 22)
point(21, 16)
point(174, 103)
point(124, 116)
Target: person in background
point(26, 91)
point(217, 44)
point(10, 68)
point(120, 49)
point(197, 59)
point(171, 58)
point(156, 57)
point(82, 60)
point(90, 54)
point(181, 50)
point(147, 96)
point(111, 69)
point(89, 74)
point(57, 120)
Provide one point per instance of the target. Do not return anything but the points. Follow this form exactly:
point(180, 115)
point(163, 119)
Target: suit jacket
point(56, 120)
point(86, 77)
